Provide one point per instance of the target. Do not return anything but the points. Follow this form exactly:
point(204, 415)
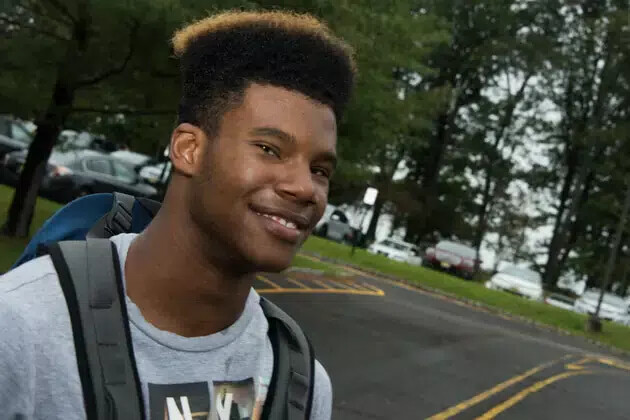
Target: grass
point(613, 334)
point(328, 269)
point(11, 248)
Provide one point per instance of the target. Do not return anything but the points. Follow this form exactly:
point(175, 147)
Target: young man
point(252, 155)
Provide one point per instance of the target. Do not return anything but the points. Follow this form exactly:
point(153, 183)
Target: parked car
point(335, 226)
point(14, 135)
point(397, 250)
point(613, 307)
point(560, 301)
point(521, 281)
point(453, 257)
point(75, 173)
point(148, 168)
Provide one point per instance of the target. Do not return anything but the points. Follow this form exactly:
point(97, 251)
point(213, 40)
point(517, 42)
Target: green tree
point(588, 83)
point(66, 57)
point(483, 36)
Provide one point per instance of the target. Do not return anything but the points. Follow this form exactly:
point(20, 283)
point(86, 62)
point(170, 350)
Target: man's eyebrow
point(329, 157)
point(274, 132)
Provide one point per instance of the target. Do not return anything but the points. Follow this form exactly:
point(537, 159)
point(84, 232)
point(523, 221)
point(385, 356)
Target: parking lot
point(396, 352)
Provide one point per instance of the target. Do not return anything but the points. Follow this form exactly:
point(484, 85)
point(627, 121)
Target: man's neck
point(175, 286)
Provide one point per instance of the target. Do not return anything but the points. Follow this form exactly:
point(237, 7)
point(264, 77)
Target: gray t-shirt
point(219, 376)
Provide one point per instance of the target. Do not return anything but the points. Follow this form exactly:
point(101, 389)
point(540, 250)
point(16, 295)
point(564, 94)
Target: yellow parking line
point(298, 283)
point(321, 283)
point(370, 287)
point(452, 411)
point(527, 391)
point(614, 363)
point(269, 282)
point(344, 286)
point(333, 291)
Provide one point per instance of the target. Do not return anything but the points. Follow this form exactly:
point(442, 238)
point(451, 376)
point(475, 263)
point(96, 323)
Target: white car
point(613, 308)
point(520, 281)
point(397, 250)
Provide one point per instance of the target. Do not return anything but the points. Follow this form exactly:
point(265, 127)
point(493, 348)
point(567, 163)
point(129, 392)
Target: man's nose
point(297, 183)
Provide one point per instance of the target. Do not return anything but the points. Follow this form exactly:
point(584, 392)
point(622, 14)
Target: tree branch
point(133, 112)
point(36, 10)
point(118, 69)
point(63, 9)
point(38, 30)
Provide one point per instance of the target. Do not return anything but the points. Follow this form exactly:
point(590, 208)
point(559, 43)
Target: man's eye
point(321, 172)
point(268, 150)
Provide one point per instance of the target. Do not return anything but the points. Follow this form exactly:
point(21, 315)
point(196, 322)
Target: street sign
point(370, 196)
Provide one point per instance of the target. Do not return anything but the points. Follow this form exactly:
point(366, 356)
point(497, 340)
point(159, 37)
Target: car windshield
point(339, 216)
point(131, 157)
point(522, 273)
point(396, 245)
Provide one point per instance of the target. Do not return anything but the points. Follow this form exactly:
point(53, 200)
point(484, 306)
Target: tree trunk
point(432, 163)
point(25, 196)
point(577, 226)
point(499, 252)
point(554, 250)
point(612, 258)
point(376, 214)
point(482, 215)
point(48, 128)
point(553, 266)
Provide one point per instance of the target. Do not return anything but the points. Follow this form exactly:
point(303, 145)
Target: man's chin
point(273, 266)
point(272, 263)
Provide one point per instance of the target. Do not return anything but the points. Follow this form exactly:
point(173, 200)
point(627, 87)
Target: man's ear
point(188, 144)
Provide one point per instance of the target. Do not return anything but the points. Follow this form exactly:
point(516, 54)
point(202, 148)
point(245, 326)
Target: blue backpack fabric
point(77, 234)
point(91, 216)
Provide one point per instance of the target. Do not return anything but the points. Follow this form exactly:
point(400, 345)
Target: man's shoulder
point(322, 394)
point(32, 291)
point(31, 274)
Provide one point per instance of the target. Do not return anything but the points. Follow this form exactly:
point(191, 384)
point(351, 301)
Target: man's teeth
point(280, 220)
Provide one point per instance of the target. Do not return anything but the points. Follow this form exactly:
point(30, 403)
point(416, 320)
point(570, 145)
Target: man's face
point(263, 185)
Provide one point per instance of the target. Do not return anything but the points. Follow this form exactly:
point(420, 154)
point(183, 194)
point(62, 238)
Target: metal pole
point(612, 258)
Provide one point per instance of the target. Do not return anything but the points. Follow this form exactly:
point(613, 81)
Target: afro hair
point(222, 54)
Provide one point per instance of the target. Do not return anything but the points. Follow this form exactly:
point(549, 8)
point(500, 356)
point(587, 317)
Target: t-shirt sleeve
point(322, 394)
point(17, 364)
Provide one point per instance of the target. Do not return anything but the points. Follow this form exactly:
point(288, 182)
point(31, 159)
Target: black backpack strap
point(118, 220)
point(89, 274)
point(291, 390)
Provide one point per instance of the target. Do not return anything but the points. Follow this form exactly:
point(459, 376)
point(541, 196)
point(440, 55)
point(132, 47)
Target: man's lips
point(286, 218)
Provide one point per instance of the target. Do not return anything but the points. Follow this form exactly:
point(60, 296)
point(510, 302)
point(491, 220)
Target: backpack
point(76, 238)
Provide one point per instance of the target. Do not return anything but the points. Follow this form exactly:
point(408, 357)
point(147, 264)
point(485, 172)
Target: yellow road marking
point(344, 286)
point(369, 286)
point(452, 411)
point(614, 363)
point(329, 290)
point(527, 391)
point(579, 365)
point(321, 283)
point(298, 283)
point(269, 282)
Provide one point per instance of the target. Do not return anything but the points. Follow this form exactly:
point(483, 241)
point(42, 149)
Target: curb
point(472, 303)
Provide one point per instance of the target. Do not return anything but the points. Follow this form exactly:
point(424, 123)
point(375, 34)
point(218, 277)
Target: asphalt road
point(397, 353)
